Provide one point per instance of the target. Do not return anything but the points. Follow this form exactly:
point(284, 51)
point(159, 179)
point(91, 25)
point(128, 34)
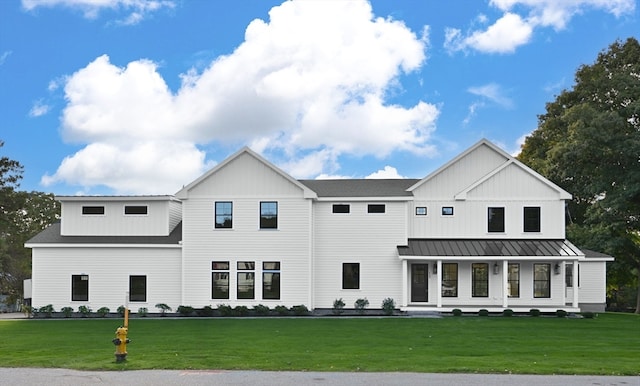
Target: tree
point(588, 142)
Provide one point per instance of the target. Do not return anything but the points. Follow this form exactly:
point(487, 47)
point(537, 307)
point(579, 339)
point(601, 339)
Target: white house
point(482, 231)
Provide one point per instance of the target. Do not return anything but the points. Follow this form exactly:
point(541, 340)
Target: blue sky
point(143, 96)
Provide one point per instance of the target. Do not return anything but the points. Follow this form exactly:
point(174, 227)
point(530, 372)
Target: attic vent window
point(137, 209)
point(341, 208)
point(93, 210)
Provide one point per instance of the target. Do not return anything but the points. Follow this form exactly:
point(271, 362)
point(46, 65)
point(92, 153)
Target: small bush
point(103, 311)
point(163, 308)
point(241, 311)
point(457, 312)
point(205, 311)
point(225, 310)
point(120, 310)
point(300, 310)
point(185, 310)
point(282, 310)
point(588, 315)
point(534, 312)
point(261, 310)
point(483, 312)
point(143, 311)
point(388, 306)
point(338, 306)
point(361, 305)
point(47, 310)
point(561, 313)
point(84, 311)
point(507, 312)
point(67, 311)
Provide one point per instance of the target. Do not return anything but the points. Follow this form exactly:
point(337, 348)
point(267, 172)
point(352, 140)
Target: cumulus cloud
point(513, 29)
point(39, 108)
point(136, 9)
point(387, 172)
point(307, 86)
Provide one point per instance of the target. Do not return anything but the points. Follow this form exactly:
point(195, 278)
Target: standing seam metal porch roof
point(488, 247)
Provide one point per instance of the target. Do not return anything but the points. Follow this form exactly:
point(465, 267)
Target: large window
point(93, 210)
point(135, 209)
point(219, 280)
point(137, 288)
point(341, 208)
point(532, 219)
point(268, 215)
point(271, 280)
point(542, 280)
point(246, 280)
point(224, 214)
point(513, 280)
point(495, 220)
point(350, 275)
point(449, 280)
point(480, 280)
point(79, 288)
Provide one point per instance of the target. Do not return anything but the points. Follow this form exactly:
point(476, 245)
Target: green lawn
point(609, 344)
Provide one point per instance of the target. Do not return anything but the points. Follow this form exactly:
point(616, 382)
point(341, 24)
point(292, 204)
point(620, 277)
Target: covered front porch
point(442, 275)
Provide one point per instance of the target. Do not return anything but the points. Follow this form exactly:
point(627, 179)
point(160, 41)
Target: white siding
point(175, 214)
point(109, 270)
point(593, 282)
point(513, 182)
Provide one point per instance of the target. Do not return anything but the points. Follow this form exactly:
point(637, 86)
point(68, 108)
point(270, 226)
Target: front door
point(419, 288)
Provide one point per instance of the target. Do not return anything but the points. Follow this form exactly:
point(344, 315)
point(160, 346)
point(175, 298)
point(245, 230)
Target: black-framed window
point(138, 288)
point(351, 276)
point(568, 275)
point(541, 280)
point(271, 280)
point(376, 208)
point(421, 210)
point(79, 288)
point(480, 280)
point(268, 215)
point(531, 216)
point(495, 219)
point(341, 208)
point(219, 280)
point(447, 210)
point(224, 214)
point(449, 280)
point(513, 280)
point(246, 280)
point(93, 210)
point(136, 209)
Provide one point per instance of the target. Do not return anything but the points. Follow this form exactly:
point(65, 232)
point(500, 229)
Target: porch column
point(575, 284)
point(505, 283)
point(439, 283)
point(405, 272)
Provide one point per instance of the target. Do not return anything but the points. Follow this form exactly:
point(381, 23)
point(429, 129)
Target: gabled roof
point(509, 160)
point(361, 187)
point(182, 193)
point(489, 248)
point(51, 235)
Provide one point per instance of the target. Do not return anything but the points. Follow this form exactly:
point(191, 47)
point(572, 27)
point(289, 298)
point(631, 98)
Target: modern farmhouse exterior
point(482, 231)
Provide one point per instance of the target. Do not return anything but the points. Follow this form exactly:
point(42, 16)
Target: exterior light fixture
point(496, 268)
point(556, 269)
point(435, 268)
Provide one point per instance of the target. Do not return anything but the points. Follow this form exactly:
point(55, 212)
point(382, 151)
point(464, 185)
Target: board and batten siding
point(109, 270)
point(370, 239)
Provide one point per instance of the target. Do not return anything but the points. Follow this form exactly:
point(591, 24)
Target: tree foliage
point(22, 215)
point(588, 142)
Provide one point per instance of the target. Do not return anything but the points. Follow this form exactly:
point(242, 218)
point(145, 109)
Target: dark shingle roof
point(51, 235)
point(361, 187)
point(480, 247)
point(588, 253)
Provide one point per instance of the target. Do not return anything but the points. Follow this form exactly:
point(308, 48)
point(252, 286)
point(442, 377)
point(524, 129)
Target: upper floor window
point(376, 208)
point(135, 209)
point(93, 210)
point(495, 220)
point(268, 215)
point(421, 210)
point(447, 210)
point(341, 208)
point(224, 214)
point(532, 219)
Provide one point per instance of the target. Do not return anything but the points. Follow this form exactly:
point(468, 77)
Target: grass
point(607, 345)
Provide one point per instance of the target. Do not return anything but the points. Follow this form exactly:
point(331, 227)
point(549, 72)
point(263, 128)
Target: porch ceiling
point(505, 248)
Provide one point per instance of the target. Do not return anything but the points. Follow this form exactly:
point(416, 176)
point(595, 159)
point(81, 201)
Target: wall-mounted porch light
point(556, 269)
point(496, 268)
point(435, 268)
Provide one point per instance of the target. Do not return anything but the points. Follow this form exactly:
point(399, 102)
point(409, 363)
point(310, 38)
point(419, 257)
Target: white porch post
point(439, 284)
point(505, 283)
point(403, 301)
point(575, 284)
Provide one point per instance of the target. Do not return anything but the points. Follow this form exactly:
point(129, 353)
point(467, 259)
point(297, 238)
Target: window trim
point(499, 224)
point(218, 225)
point(418, 209)
point(86, 210)
point(132, 296)
point(75, 291)
point(354, 280)
point(265, 217)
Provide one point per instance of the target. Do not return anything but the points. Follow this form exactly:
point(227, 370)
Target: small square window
point(447, 210)
point(341, 208)
point(376, 208)
point(421, 211)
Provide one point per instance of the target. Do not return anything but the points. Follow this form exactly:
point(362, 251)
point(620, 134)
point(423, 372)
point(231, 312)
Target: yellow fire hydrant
point(121, 339)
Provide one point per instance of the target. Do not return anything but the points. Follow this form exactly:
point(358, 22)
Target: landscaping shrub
point(561, 313)
point(84, 311)
point(589, 315)
point(507, 312)
point(121, 310)
point(388, 306)
point(457, 312)
point(205, 311)
point(261, 309)
point(483, 312)
point(163, 308)
point(143, 311)
point(47, 310)
point(282, 310)
point(185, 310)
point(338, 306)
point(225, 310)
point(534, 312)
point(300, 310)
point(241, 311)
point(361, 305)
point(67, 311)
point(102, 311)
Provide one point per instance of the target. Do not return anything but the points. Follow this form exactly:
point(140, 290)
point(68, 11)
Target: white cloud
point(137, 9)
point(309, 86)
point(514, 29)
point(39, 108)
point(4, 56)
point(492, 92)
point(387, 172)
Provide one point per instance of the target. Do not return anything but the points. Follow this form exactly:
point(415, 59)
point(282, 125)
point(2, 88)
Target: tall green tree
point(588, 142)
point(22, 215)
